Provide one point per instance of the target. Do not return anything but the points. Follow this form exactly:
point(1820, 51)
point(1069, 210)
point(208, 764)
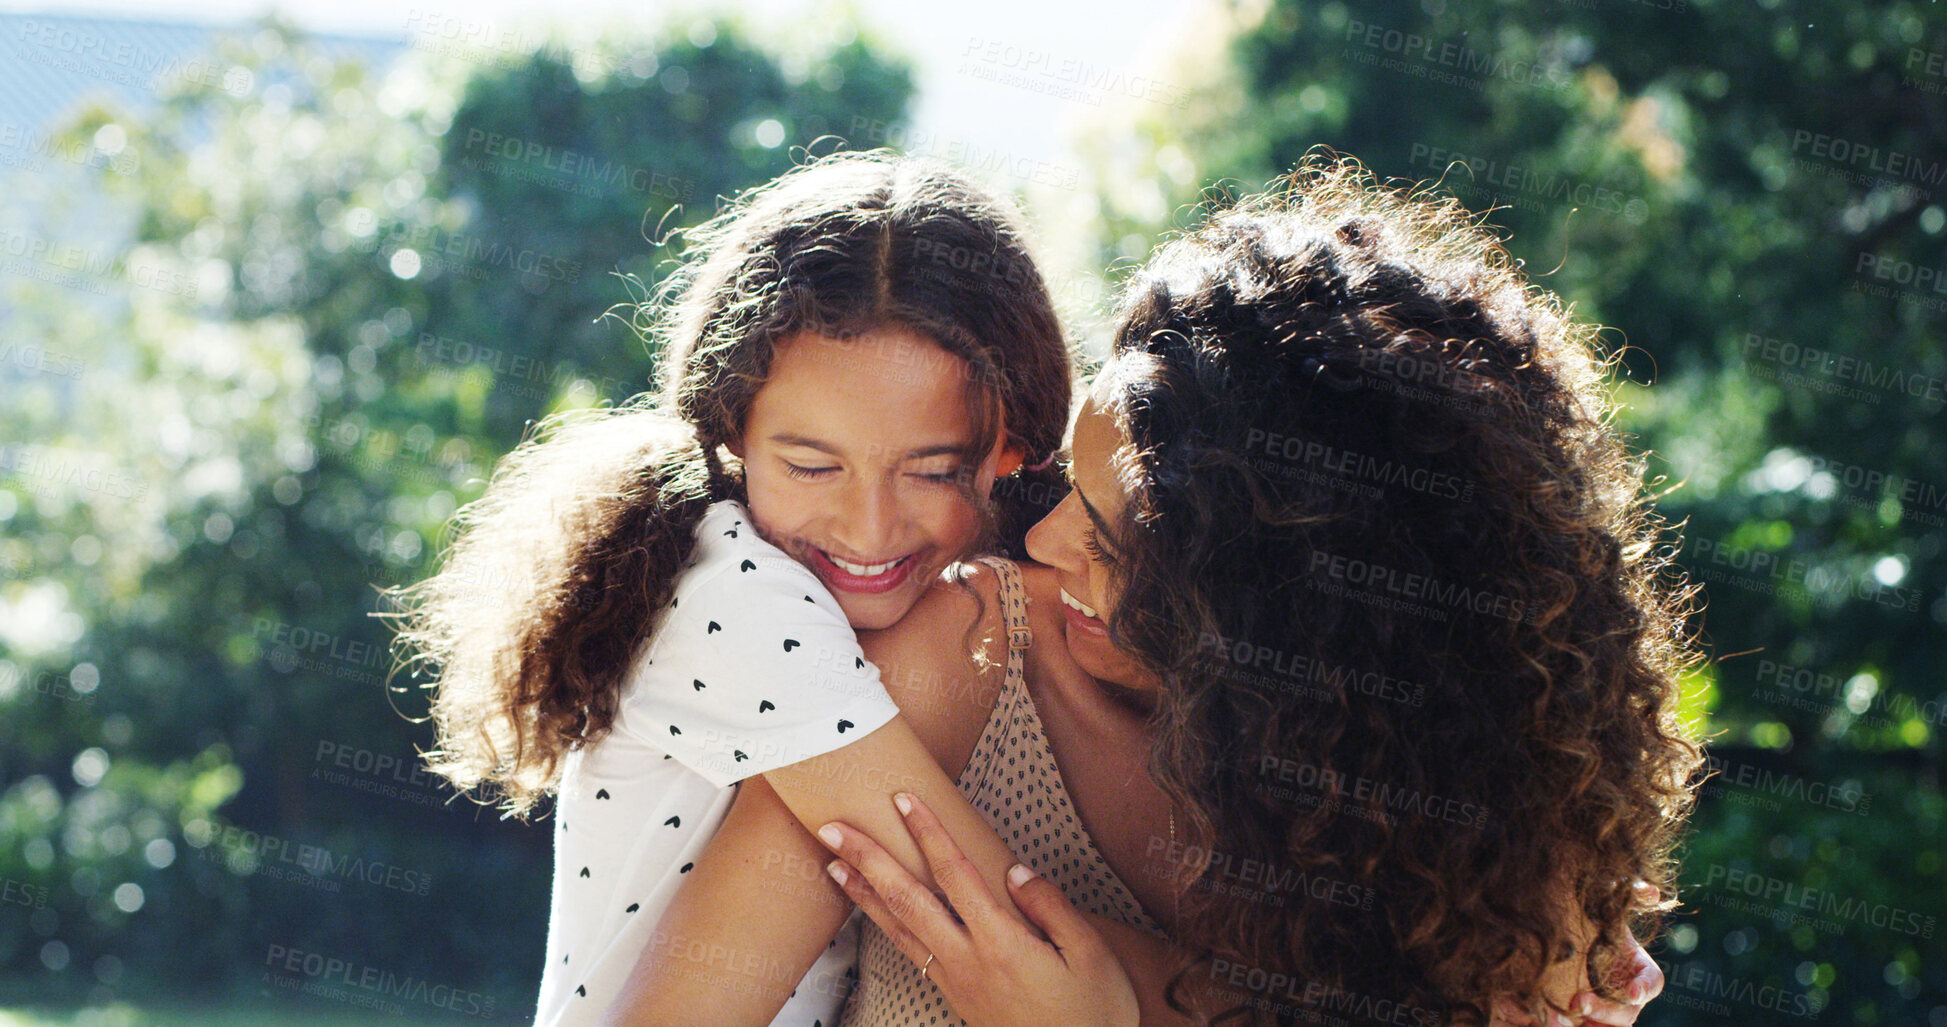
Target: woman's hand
point(993, 965)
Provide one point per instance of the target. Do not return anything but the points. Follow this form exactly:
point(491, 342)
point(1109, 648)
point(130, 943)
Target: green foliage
point(1728, 187)
point(348, 293)
point(360, 289)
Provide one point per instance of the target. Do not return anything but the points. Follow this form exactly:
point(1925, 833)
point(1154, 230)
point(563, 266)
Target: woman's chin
point(1101, 660)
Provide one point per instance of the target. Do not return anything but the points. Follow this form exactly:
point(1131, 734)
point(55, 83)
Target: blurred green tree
point(1750, 197)
point(348, 290)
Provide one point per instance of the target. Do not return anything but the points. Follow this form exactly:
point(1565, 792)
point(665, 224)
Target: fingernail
point(1585, 1005)
point(830, 834)
point(1563, 1021)
point(837, 870)
point(904, 802)
point(1020, 875)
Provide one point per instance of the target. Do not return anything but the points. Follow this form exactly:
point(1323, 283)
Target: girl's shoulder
point(944, 662)
point(962, 606)
point(733, 563)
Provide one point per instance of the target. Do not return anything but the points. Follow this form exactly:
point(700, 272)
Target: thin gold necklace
point(1176, 890)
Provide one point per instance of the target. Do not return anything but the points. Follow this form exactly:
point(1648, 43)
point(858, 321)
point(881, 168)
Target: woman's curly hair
point(1419, 634)
point(557, 574)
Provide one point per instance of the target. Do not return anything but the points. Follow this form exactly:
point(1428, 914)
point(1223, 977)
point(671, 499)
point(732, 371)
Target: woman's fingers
point(860, 891)
point(1595, 1009)
point(955, 873)
point(905, 899)
point(1636, 975)
point(1044, 905)
point(1507, 1014)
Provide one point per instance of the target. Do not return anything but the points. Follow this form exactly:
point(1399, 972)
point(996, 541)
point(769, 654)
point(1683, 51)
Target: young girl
point(851, 356)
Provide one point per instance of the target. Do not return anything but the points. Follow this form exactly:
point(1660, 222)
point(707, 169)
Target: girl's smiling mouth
point(842, 574)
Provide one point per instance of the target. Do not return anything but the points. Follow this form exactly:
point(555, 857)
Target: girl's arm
point(759, 902)
point(753, 916)
point(744, 928)
point(758, 908)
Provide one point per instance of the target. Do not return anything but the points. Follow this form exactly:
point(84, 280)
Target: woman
point(1367, 690)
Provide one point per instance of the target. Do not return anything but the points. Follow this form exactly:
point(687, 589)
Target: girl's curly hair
point(1419, 634)
point(557, 574)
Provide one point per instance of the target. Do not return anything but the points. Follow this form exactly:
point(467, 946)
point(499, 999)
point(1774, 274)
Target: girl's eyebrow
point(945, 449)
point(788, 439)
point(942, 449)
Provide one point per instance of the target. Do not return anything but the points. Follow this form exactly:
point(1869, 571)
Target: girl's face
point(1075, 540)
point(852, 454)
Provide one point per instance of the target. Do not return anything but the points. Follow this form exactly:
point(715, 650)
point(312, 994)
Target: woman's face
point(852, 452)
point(1075, 540)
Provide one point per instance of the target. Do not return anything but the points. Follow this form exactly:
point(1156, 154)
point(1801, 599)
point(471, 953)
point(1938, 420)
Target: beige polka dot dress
point(1013, 781)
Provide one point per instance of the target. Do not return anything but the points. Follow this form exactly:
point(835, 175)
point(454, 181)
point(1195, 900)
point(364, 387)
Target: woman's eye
point(1092, 545)
point(807, 472)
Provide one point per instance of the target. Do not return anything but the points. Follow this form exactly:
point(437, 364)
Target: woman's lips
point(1072, 608)
point(893, 575)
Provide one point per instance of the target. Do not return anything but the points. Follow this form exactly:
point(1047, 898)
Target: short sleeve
point(755, 668)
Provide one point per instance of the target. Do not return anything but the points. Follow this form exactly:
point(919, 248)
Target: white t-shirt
point(753, 667)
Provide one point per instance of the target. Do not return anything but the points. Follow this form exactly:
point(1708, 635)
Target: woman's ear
point(735, 446)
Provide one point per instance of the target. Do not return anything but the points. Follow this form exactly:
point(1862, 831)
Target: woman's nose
point(1055, 541)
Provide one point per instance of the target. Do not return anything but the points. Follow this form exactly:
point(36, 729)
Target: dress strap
point(1014, 605)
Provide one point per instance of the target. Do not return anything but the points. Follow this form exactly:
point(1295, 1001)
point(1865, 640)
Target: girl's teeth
point(863, 570)
point(1083, 608)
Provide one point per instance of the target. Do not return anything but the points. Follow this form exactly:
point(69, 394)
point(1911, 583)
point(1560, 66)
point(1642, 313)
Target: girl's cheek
point(956, 526)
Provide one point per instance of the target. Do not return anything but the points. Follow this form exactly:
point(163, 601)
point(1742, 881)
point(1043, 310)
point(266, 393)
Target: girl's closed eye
point(937, 475)
point(808, 473)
